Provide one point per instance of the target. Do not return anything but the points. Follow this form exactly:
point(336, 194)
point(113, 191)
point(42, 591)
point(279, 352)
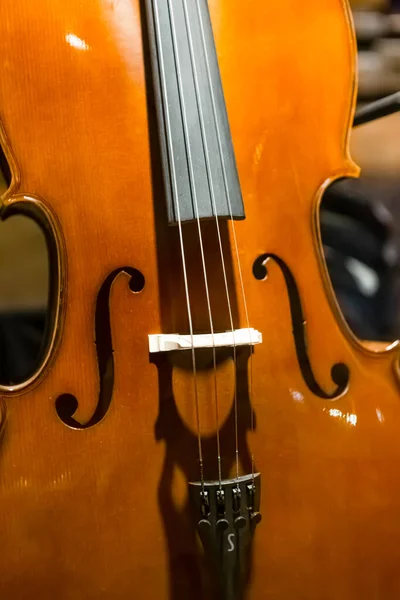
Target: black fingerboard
point(200, 171)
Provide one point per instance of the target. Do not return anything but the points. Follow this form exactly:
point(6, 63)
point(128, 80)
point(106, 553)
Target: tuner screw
point(240, 522)
point(204, 525)
point(222, 525)
point(255, 518)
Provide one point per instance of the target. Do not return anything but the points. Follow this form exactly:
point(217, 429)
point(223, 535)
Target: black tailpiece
point(227, 513)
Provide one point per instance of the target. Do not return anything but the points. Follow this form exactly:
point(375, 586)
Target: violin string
point(194, 193)
point(235, 242)
point(221, 251)
point(186, 285)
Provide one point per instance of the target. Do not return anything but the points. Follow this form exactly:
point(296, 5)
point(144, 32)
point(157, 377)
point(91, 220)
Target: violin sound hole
point(67, 404)
point(340, 373)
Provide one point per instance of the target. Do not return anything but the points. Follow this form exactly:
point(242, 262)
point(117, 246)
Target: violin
point(202, 423)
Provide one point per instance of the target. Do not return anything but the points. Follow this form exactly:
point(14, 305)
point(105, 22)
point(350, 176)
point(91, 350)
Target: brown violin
point(202, 423)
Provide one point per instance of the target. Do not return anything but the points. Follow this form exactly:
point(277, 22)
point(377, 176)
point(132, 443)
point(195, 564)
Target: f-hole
point(340, 372)
point(67, 404)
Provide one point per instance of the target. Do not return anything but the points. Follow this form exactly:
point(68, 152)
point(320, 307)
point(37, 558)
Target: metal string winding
point(207, 159)
point(193, 189)
point(237, 256)
point(187, 295)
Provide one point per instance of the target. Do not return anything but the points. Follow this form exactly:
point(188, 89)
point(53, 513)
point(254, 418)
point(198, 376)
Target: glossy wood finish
point(100, 512)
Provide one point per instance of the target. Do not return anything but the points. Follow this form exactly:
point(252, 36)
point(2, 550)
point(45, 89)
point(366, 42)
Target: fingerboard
point(199, 166)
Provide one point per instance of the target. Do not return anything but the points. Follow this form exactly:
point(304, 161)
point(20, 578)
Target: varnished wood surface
point(101, 512)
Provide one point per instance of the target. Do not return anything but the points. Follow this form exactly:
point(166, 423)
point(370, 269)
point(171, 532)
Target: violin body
point(98, 447)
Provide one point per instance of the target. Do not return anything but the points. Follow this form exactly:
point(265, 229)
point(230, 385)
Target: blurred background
point(360, 219)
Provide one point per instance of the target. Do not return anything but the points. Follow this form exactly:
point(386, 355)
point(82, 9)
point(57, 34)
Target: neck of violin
point(199, 167)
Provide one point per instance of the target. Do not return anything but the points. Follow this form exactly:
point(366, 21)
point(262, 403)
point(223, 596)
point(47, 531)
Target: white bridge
point(161, 342)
